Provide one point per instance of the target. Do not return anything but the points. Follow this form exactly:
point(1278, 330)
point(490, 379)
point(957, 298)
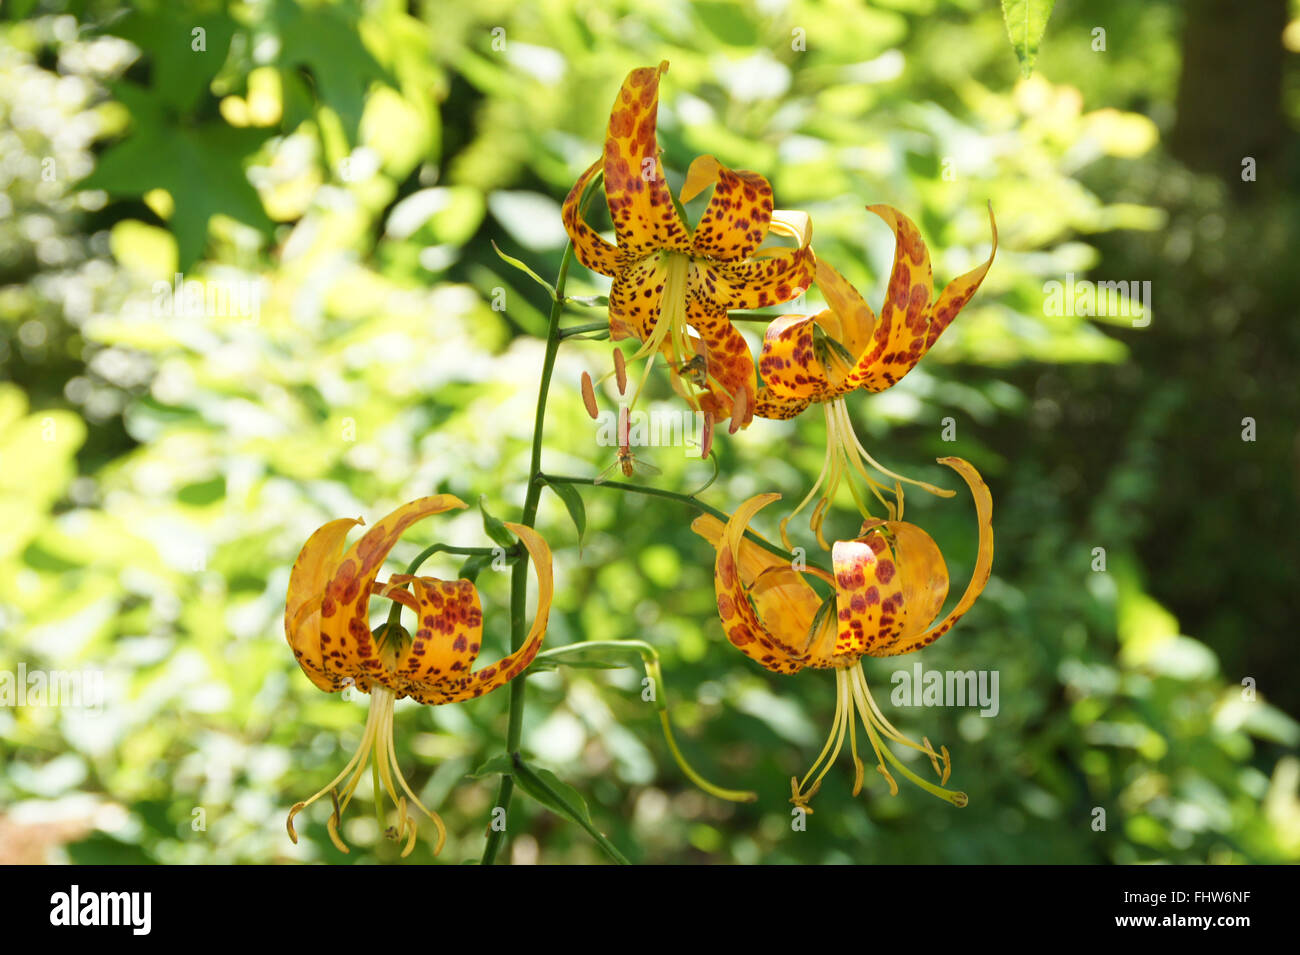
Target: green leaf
point(325, 41)
point(203, 493)
point(1026, 21)
point(160, 155)
point(499, 765)
point(179, 72)
point(573, 503)
point(552, 792)
point(472, 567)
point(556, 795)
point(494, 528)
point(511, 260)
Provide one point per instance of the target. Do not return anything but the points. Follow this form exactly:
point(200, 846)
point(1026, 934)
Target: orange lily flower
point(889, 585)
point(823, 357)
point(327, 623)
point(674, 285)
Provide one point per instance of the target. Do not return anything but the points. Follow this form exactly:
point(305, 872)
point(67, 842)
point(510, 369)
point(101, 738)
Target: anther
point(620, 370)
point(589, 397)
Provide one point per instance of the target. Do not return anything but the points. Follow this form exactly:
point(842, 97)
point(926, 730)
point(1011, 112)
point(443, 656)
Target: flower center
point(672, 336)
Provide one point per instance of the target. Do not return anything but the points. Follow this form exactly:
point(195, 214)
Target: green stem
point(519, 577)
point(688, 499)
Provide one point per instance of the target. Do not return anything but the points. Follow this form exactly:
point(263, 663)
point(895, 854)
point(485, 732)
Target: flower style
point(823, 357)
point(674, 285)
point(889, 586)
point(327, 624)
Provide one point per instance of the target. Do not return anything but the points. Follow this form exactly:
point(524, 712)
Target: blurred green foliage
point(347, 166)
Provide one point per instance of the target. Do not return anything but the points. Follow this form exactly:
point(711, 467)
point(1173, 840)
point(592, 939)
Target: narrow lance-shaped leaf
point(573, 503)
point(494, 528)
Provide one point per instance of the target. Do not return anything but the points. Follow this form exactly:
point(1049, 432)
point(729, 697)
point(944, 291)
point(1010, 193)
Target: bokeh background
point(159, 470)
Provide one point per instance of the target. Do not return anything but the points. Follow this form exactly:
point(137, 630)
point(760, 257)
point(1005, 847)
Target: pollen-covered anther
point(589, 397)
point(706, 438)
point(620, 371)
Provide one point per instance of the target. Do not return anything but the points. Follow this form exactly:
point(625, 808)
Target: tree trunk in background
point(1230, 91)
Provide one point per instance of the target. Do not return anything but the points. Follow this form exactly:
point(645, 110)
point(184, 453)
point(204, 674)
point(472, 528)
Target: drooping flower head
point(822, 358)
point(889, 585)
point(673, 285)
point(327, 623)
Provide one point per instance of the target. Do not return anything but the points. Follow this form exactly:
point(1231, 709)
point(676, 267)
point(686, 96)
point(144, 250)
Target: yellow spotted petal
point(592, 251)
point(311, 572)
point(636, 297)
point(455, 689)
point(856, 322)
point(868, 595)
point(730, 364)
point(768, 405)
point(924, 576)
point(740, 622)
point(983, 561)
point(909, 324)
point(783, 600)
point(345, 623)
point(769, 277)
point(735, 222)
point(788, 362)
point(640, 203)
point(448, 633)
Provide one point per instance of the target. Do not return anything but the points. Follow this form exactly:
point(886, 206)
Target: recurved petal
point(448, 633)
point(768, 405)
point(735, 221)
point(740, 622)
point(636, 297)
point(868, 594)
point(983, 560)
point(856, 320)
point(640, 202)
point(900, 337)
point(311, 572)
point(924, 576)
point(784, 601)
point(455, 689)
point(730, 364)
point(346, 644)
point(788, 361)
point(769, 277)
point(592, 250)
